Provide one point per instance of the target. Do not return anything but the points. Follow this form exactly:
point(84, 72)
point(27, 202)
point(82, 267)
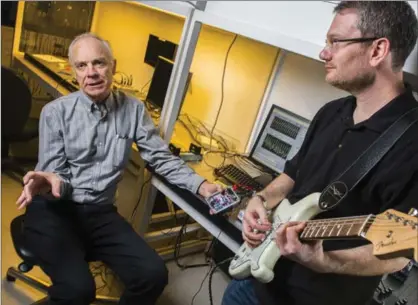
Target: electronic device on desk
point(223, 200)
point(237, 177)
point(123, 82)
point(280, 139)
point(159, 47)
point(160, 81)
point(399, 288)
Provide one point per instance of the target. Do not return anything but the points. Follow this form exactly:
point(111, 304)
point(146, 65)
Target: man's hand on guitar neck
point(309, 254)
point(358, 261)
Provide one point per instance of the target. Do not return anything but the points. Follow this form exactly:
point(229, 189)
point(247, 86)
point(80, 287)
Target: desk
point(220, 227)
point(47, 82)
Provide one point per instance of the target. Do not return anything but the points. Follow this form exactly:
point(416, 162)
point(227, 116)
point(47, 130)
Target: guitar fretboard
point(335, 228)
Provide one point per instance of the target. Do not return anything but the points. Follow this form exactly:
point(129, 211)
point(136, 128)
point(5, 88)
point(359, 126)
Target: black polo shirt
point(332, 143)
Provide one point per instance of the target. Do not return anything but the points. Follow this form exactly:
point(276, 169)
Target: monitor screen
point(159, 83)
point(158, 47)
point(280, 139)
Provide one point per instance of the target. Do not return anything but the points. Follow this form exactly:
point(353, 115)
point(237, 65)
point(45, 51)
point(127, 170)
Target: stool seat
point(16, 229)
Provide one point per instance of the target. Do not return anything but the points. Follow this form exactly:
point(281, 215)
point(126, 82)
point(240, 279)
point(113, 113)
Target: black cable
point(139, 199)
point(178, 245)
point(190, 132)
point(222, 89)
point(201, 284)
point(141, 91)
point(200, 288)
point(209, 273)
point(212, 243)
point(210, 277)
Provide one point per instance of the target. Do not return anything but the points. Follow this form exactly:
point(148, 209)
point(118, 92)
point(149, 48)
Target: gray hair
point(394, 20)
point(105, 44)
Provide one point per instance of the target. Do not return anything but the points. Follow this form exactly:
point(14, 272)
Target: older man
point(85, 141)
point(367, 45)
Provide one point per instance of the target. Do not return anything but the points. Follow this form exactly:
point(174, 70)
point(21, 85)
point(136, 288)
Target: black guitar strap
point(343, 184)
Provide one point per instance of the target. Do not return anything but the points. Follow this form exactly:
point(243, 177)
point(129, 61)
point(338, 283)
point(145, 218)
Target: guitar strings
point(354, 220)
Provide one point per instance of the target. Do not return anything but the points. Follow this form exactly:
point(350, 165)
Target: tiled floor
point(183, 284)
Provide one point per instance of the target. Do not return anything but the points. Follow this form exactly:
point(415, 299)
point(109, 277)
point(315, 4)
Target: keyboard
point(236, 176)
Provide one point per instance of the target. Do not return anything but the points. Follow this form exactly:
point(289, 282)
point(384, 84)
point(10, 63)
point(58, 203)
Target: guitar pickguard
point(260, 261)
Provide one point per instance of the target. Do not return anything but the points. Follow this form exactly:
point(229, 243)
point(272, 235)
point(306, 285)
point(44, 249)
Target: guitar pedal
point(223, 200)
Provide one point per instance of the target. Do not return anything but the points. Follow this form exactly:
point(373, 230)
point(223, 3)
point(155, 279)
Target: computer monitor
point(159, 47)
point(159, 82)
point(279, 140)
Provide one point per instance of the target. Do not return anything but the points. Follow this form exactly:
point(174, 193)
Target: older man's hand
point(38, 183)
point(206, 189)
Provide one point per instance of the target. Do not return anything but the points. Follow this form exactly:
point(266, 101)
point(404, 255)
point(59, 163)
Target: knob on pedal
point(413, 212)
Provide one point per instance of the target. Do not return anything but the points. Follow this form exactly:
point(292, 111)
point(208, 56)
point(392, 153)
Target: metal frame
point(14, 274)
point(176, 87)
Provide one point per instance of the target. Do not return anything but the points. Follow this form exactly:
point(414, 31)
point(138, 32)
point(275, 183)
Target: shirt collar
point(384, 117)
point(90, 105)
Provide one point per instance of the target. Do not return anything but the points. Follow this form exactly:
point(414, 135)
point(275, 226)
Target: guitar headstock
point(394, 234)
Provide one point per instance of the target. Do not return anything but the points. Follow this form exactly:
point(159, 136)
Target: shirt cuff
point(196, 183)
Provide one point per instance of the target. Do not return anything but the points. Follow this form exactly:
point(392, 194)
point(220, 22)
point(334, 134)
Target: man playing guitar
point(367, 45)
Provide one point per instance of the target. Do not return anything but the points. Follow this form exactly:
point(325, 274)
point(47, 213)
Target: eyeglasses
point(333, 43)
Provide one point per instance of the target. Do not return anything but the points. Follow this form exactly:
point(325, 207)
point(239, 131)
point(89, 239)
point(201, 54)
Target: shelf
point(298, 27)
point(180, 9)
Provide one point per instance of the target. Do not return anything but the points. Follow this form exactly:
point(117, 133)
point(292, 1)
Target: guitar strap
point(343, 184)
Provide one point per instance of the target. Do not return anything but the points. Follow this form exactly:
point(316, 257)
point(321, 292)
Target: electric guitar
point(392, 234)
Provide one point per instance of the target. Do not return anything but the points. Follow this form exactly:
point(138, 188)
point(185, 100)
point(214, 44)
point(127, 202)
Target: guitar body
point(259, 262)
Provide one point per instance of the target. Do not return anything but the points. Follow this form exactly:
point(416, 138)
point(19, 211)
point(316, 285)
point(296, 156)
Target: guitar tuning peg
point(413, 212)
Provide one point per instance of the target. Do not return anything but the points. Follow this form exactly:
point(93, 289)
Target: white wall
point(298, 86)
point(296, 26)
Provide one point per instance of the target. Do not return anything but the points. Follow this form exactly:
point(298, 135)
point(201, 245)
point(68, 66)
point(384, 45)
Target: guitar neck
point(336, 228)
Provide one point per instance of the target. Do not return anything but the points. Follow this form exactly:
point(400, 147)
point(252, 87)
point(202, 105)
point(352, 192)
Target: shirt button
point(100, 143)
point(97, 163)
point(340, 145)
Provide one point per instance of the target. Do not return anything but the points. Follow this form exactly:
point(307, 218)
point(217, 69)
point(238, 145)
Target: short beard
point(357, 84)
